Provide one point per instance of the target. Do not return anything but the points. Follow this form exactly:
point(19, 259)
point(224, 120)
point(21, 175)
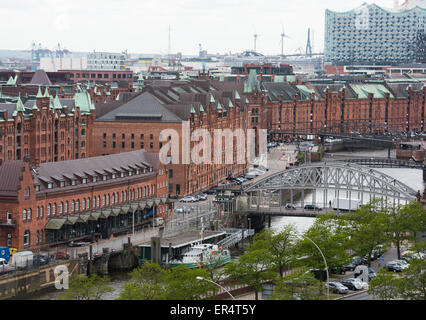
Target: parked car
point(262, 168)
point(371, 274)
point(41, 259)
point(182, 210)
point(337, 287)
point(202, 196)
point(397, 265)
point(352, 284)
point(338, 270)
point(61, 255)
point(4, 267)
point(360, 260)
point(211, 191)
point(188, 199)
point(312, 207)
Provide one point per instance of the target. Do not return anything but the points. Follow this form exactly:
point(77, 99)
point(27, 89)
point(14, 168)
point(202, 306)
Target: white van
point(21, 259)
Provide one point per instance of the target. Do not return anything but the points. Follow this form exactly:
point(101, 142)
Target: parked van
point(5, 254)
point(22, 259)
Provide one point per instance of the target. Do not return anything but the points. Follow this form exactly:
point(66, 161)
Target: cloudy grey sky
point(142, 25)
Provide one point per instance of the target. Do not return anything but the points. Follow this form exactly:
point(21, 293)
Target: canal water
point(411, 177)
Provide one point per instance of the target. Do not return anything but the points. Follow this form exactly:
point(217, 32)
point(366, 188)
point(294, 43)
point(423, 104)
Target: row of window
point(132, 136)
point(73, 206)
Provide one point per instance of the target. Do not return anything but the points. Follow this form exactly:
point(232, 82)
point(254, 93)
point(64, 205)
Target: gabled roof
point(10, 173)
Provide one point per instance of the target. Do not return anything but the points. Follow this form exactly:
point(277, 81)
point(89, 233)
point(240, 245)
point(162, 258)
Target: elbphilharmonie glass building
point(374, 35)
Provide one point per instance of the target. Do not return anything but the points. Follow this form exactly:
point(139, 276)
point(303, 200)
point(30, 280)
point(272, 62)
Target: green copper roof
point(252, 82)
point(57, 103)
point(39, 94)
point(378, 90)
point(237, 96)
point(35, 106)
point(230, 105)
point(219, 106)
point(19, 105)
point(83, 101)
point(201, 108)
point(46, 93)
point(212, 98)
point(12, 81)
point(118, 97)
point(192, 109)
point(279, 79)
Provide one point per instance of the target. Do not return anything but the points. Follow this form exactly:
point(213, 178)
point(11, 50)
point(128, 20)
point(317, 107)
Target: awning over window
point(56, 223)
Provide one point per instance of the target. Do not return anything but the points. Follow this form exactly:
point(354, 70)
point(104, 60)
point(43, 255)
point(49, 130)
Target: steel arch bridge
point(334, 175)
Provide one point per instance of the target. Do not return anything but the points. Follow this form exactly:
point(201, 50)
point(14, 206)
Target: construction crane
point(283, 35)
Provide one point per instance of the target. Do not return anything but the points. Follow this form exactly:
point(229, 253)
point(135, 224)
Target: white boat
point(203, 255)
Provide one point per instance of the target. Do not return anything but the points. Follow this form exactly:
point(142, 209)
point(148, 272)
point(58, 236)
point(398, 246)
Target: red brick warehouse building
point(204, 104)
point(58, 202)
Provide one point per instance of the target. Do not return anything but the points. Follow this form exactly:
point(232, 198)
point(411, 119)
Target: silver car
point(337, 287)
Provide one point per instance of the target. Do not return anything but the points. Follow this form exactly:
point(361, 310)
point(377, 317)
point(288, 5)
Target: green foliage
point(404, 222)
point(151, 282)
point(367, 228)
point(300, 285)
point(252, 268)
point(384, 286)
point(408, 285)
point(329, 235)
point(83, 287)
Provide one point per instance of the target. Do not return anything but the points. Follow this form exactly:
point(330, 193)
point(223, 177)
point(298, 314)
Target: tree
point(412, 286)
point(281, 246)
point(299, 285)
point(329, 235)
point(367, 228)
point(147, 283)
point(151, 282)
point(84, 287)
point(405, 222)
point(252, 268)
point(182, 284)
point(384, 286)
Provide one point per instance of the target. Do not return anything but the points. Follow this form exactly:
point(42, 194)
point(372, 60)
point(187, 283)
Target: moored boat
point(203, 255)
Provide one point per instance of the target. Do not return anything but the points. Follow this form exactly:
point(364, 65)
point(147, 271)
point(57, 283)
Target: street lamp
point(325, 262)
point(201, 278)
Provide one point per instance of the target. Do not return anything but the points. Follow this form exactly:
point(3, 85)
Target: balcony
point(8, 223)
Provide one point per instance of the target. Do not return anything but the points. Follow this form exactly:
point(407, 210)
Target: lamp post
point(201, 278)
point(325, 262)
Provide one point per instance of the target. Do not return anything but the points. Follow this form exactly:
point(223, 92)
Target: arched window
point(48, 209)
point(88, 203)
point(27, 238)
point(27, 193)
point(38, 212)
point(41, 211)
point(144, 191)
point(108, 200)
point(83, 204)
point(61, 208)
point(113, 199)
point(103, 201)
point(99, 202)
point(66, 208)
point(54, 209)
point(77, 206)
point(29, 214)
point(94, 203)
point(122, 196)
point(37, 233)
point(24, 215)
point(72, 206)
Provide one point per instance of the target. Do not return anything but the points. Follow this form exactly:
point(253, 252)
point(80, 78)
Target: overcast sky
point(141, 26)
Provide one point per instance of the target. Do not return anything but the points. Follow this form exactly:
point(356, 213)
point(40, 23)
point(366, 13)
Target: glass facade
point(373, 35)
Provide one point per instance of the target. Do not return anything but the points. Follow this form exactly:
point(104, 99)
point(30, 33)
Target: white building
point(50, 64)
point(106, 61)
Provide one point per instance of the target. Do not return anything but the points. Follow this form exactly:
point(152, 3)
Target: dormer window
point(73, 182)
point(113, 176)
point(138, 171)
point(94, 179)
point(62, 184)
point(37, 187)
point(130, 173)
point(104, 178)
point(122, 174)
point(84, 180)
point(49, 185)
point(150, 169)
